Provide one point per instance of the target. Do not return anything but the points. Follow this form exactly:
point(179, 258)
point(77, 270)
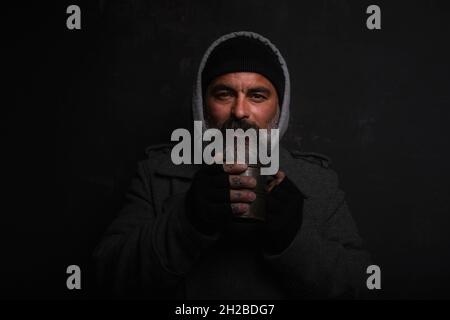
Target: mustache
point(233, 123)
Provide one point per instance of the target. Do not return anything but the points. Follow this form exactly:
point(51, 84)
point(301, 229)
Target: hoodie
point(197, 99)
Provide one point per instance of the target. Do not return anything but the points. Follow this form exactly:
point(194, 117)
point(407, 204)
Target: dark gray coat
point(151, 250)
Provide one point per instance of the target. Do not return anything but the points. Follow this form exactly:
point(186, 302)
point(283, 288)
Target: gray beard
point(234, 124)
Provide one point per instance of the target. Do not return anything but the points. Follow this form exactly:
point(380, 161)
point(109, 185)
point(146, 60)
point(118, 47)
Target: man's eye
point(258, 97)
point(223, 95)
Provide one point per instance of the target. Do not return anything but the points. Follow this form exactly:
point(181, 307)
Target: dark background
point(85, 104)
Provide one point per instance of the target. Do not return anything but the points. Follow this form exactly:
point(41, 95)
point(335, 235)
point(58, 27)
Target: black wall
point(86, 103)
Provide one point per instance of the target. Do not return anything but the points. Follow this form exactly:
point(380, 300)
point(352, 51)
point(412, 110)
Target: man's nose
point(240, 108)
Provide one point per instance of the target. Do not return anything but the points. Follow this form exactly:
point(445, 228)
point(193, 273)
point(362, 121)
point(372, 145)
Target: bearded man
point(179, 234)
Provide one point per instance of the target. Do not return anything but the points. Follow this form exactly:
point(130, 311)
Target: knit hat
point(244, 54)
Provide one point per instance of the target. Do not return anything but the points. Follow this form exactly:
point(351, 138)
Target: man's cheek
point(268, 116)
point(220, 116)
point(212, 114)
point(261, 120)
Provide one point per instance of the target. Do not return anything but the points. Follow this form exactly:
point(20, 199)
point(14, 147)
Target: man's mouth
point(234, 124)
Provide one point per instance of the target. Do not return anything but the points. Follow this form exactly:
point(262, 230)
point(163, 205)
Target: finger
point(239, 209)
point(278, 178)
point(242, 182)
point(234, 168)
point(271, 185)
point(242, 196)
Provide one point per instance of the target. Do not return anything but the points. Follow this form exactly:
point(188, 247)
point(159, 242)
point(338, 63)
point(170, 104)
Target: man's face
point(244, 96)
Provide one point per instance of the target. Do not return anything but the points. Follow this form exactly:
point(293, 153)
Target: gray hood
point(197, 100)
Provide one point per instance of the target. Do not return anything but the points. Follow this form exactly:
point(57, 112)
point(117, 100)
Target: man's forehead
point(242, 79)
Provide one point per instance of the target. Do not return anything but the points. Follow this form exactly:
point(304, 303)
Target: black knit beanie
point(244, 54)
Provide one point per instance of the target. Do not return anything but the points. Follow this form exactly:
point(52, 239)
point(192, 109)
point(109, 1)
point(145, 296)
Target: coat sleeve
point(145, 254)
point(326, 259)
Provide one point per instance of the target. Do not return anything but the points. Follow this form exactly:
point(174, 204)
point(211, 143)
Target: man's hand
point(216, 194)
point(219, 192)
point(283, 214)
point(241, 194)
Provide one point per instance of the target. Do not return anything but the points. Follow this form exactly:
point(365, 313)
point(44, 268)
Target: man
point(177, 236)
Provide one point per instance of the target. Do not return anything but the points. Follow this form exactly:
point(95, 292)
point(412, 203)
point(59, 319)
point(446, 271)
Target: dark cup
point(257, 209)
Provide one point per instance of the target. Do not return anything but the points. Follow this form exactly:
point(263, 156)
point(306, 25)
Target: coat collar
point(297, 171)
